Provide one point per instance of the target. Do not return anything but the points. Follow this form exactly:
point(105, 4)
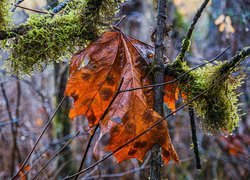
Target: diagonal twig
point(97, 126)
point(57, 153)
point(16, 4)
point(186, 41)
point(34, 10)
point(13, 130)
point(39, 138)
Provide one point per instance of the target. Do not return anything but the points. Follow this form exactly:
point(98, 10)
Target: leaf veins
point(94, 77)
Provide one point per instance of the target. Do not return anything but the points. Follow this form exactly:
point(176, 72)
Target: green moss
point(54, 38)
point(4, 14)
point(218, 107)
point(186, 44)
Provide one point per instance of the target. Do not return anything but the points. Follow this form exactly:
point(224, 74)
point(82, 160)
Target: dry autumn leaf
point(94, 77)
point(171, 92)
point(234, 144)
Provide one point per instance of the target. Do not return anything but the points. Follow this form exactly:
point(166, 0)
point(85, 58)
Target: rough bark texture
point(156, 161)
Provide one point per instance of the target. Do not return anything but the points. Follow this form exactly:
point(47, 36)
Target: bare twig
point(186, 41)
point(3, 124)
point(194, 137)
point(142, 167)
point(39, 138)
point(97, 126)
point(13, 130)
point(16, 4)
point(58, 152)
point(35, 10)
point(18, 102)
point(120, 20)
point(59, 141)
point(150, 128)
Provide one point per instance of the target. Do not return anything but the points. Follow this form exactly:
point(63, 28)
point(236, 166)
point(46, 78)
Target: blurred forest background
point(27, 104)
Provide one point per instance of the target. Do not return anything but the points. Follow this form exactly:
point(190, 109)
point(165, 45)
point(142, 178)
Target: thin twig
point(194, 137)
point(35, 10)
point(13, 130)
point(18, 102)
point(3, 124)
point(58, 152)
point(151, 127)
point(15, 5)
point(59, 141)
point(97, 126)
point(186, 41)
point(120, 20)
point(181, 76)
point(39, 138)
point(142, 167)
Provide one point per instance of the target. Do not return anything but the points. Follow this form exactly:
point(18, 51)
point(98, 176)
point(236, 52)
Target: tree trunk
point(156, 160)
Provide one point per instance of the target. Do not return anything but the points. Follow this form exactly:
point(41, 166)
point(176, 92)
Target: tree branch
point(15, 147)
point(186, 41)
point(158, 77)
point(35, 10)
point(194, 137)
point(238, 58)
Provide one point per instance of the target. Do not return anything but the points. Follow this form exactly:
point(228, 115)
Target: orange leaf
point(21, 174)
point(111, 57)
point(234, 144)
point(171, 92)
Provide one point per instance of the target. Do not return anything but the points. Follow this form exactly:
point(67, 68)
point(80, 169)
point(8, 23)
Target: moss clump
point(54, 38)
point(4, 14)
point(218, 107)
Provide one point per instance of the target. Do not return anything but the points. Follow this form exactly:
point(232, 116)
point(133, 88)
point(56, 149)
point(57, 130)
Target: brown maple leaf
point(171, 92)
point(94, 77)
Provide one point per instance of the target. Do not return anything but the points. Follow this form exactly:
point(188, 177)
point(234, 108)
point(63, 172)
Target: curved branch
point(186, 41)
point(238, 58)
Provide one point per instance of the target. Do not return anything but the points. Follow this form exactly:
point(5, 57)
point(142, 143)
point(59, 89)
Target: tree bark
point(156, 160)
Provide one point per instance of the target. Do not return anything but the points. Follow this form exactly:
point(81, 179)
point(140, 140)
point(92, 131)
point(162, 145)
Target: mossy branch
point(218, 108)
point(44, 38)
point(238, 58)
